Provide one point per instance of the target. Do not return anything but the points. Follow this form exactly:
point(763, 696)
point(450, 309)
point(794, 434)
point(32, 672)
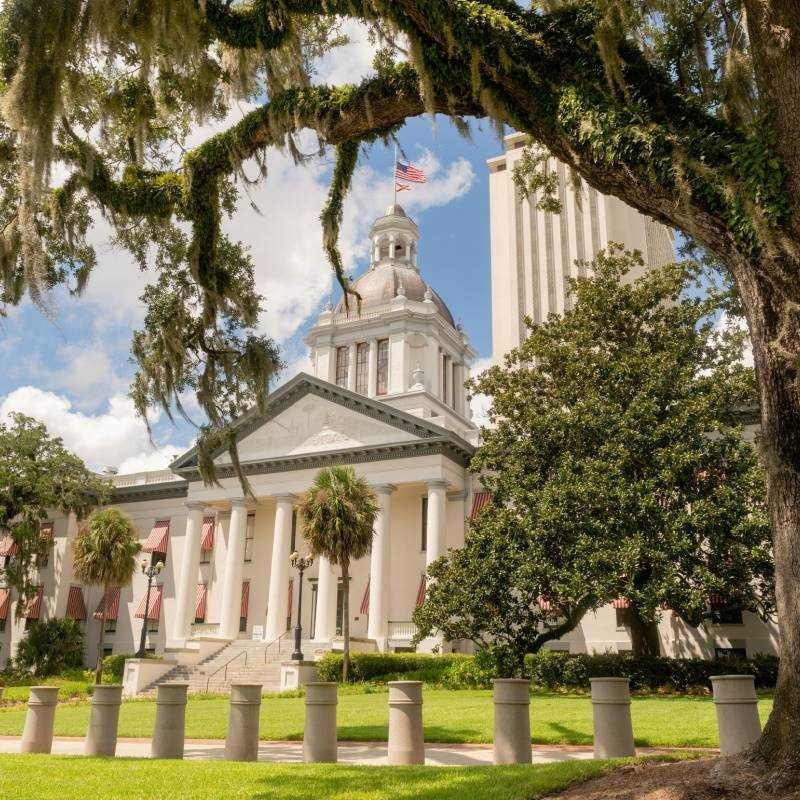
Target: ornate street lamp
point(150, 570)
point(301, 565)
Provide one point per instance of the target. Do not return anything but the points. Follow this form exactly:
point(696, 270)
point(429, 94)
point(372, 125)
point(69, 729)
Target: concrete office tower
point(534, 252)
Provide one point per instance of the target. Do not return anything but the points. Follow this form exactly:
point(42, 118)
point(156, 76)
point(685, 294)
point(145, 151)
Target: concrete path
point(369, 753)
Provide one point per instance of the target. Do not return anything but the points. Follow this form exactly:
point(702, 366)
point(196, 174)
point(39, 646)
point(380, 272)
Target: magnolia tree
point(685, 110)
point(617, 469)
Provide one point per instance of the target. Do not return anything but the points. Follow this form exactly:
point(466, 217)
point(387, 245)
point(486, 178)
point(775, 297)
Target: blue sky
point(70, 366)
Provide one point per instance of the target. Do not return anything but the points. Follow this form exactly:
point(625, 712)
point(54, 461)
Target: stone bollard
point(736, 705)
point(245, 706)
point(512, 721)
point(406, 739)
point(101, 738)
point(170, 727)
point(319, 736)
point(37, 736)
point(611, 713)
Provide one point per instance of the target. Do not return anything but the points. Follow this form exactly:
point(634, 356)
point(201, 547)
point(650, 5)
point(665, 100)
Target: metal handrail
point(275, 641)
point(225, 667)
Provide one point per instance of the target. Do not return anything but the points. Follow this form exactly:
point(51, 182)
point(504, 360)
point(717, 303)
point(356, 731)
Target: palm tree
point(104, 553)
point(338, 514)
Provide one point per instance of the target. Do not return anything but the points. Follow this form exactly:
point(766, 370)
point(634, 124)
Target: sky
point(70, 366)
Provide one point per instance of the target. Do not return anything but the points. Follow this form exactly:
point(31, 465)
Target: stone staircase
point(241, 661)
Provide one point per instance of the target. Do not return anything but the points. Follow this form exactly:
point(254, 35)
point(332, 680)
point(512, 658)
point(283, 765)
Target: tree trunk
point(346, 620)
point(98, 669)
point(644, 635)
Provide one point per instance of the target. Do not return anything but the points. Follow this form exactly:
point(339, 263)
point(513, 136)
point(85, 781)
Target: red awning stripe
point(8, 547)
point(423, 584)
point(245, 599)
point(76, 607)
point(112, 604)
point(158, 539)
point(479, 500)
point(717, 601)
point(207, 540)
point(620, 602)
point(200, 599)
point(154, 611)
point(364, 608)
point(5, 602)
point(544, 603)
point(34, 607)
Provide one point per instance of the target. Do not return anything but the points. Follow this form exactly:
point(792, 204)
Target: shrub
point(382, 667)
point(50, 647)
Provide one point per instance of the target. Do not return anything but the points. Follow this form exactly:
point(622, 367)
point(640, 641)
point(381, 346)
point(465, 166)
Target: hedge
point(551, 670)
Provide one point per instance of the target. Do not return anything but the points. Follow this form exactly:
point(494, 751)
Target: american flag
point(409, 173)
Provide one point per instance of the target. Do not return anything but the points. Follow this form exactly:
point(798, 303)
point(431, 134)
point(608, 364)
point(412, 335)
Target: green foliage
point(37, 475)
point(382, 667)
point(114, 666)
point(617, 469)
point(49, 647)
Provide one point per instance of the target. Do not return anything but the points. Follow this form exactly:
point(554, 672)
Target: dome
point(396, 210)
point(379, 286)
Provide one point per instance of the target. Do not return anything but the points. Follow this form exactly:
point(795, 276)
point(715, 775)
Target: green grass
point(449, 716)
point(71, 778)
point(67, 689)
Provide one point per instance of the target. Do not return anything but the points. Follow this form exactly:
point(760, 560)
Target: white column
point(351, 367)
point(325, 628)
point(187, 578)
point(372, 374)
point(234, 562)
point(437, 532)
point(279, 567)
point(378, 626)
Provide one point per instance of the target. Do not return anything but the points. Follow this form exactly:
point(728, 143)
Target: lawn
point(449, 716)
point(73, 778)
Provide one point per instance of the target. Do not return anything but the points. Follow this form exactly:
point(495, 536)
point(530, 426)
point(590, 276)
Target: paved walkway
point(370, 753)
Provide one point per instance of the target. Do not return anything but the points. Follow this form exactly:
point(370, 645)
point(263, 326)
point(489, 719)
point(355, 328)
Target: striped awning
point(76, 608)
point(423, 584)
point(544, 603)
point(200, 598)
point(46, 530)
point(364, 607)
point(112, 604)
point(158, 538)
point(34, 606)
point(620, 602)
point(154, 611)
point(479, 500)
point(8, 547)
point(290, 599)
point(717, 601)
point(207, 539)
point(245, 599)
point(5, 602)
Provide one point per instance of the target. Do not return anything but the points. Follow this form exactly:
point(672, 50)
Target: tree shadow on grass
point(438, 734)
point(569, 735)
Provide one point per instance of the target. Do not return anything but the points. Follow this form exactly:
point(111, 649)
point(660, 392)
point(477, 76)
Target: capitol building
point(385, 394)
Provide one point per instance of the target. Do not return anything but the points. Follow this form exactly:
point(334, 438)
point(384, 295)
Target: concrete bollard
point(736, 705)
point(319, 735)
point(406, 739)
point(245, 706)
point(37, 736)
point(512, 721)
point(168, 734)
point(101, 738)
point(611, 713)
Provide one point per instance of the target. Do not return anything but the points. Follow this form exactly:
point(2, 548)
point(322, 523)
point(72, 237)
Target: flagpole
point(394, 174)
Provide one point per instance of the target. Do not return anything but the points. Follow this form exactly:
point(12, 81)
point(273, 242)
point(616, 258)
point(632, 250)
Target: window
point(152, 626)
point(383, 367)
point(30, 622)
point(362, 367)
point(242, 624)
point(42, 559)
point(205, 556)
point(342, 365)
point(424, 538)
point(727, 616)
point(445, 376)
point(111, 626)
point(2, 624)
point(108, 650)
point(293, 540)
point(730, 652)
point(158, 558)
point(249, 537)
point(623, 618)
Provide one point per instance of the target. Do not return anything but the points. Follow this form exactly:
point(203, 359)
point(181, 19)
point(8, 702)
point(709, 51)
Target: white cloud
point(88, 372)
point(116, 437)
point(740, 324)
point(481, 404)
point(349, 63)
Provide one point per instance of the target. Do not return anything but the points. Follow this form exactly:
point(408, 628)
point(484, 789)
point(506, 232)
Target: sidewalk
point(369, 753)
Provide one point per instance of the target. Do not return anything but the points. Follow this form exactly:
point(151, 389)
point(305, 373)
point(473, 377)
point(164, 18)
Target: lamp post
point(301, 564)
point(150, 570)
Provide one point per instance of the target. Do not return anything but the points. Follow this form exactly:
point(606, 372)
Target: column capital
point(239, 502)
point(195, 505)
point(285, 496)
point(459, 494)
point(384, 488)
point(436, 483)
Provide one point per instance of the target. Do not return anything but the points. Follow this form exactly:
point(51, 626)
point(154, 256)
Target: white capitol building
point(386, 394)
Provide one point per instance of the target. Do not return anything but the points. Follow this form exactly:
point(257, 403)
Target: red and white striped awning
point(76, 608)
point(34, 606)
point(423, 584)
point(479, 500)
point(207, 539)
point(8, 547)
point(5, 602)
point(46, 530)
point(200, 599)
point(154, 610)
point(717, 601)
point(111, 602)
point(158, 539)
point(620, 602)
point(364, 607)
point(245, 599)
